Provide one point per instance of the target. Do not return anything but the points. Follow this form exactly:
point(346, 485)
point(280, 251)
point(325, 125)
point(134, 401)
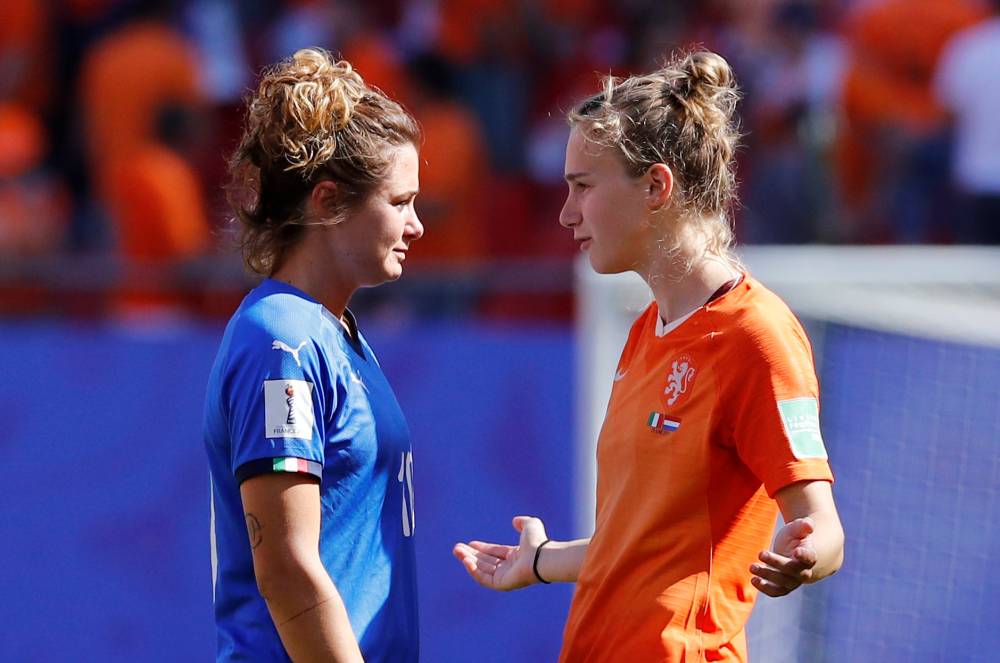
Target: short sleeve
point(772, 397)
point(275, 395)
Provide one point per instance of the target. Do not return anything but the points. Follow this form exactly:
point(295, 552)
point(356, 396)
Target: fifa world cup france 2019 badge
point(290, 402)
point(288, 409)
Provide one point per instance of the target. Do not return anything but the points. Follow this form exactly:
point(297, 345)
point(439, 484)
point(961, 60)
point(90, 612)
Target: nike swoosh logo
point(619, 375)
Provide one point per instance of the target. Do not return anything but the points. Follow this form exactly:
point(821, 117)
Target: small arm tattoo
point(254, 530)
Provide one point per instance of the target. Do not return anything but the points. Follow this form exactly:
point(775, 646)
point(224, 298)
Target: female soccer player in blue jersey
point(309, 452)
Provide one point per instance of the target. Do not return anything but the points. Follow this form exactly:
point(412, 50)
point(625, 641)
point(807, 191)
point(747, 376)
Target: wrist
point(534, 565)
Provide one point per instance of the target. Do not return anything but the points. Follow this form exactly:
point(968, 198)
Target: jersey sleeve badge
point(800, 417)
point(288, 409)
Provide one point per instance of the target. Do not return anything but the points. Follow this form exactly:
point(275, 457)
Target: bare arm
point(283, 522)
point(560, 561)
point(504, 567)
point(809, 547)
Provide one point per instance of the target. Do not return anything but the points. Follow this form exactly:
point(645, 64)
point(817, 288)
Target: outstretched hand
point(790, 561)
point(503, 567)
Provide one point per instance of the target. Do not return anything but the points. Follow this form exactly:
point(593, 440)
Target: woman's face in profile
point(605, 207)
point(376, 235)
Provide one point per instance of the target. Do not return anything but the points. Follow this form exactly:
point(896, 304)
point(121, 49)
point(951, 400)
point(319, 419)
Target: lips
point(584, 242)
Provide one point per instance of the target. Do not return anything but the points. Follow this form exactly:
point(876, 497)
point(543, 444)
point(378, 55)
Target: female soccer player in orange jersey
point(713, 422)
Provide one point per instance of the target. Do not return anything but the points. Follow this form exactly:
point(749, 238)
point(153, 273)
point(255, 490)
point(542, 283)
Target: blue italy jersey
point(292, 391)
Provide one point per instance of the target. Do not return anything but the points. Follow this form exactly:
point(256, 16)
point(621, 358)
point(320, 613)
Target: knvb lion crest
point(679, 379)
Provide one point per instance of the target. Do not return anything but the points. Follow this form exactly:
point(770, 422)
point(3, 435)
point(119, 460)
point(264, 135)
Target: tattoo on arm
point(254, 530)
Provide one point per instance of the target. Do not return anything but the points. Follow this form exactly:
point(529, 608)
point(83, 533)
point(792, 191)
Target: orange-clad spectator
point(888, 103)
point(454, 169)
point(33, 206)
point(159, 206)
point(127, 77)
point(25, 53)
point(159, 210)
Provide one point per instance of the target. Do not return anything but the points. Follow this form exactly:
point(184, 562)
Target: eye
point(403, 204)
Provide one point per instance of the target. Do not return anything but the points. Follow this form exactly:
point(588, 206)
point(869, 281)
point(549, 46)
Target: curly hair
point(682, 115)
point(312, 117)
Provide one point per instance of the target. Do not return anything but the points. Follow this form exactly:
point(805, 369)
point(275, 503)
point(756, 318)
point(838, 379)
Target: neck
point(316, 277)
point(679, 290)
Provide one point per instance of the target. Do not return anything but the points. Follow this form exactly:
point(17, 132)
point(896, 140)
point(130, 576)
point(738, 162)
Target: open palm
point(504, 567)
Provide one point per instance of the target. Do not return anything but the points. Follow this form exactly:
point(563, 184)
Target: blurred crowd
point(865, 121)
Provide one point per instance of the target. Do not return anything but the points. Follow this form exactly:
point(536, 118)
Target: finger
point(520, 522)
point(486, 557)
point(800, 528)
point(480, 576)
point(482, 568)
point(805, 555)
point(486, 565)
point(463, 549)
point(784, 564)
point(769, 588)
point(464, 553)
point(499, 551)
point(468, 560)
point(775, 577)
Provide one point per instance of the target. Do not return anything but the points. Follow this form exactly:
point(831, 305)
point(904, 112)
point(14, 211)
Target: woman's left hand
point(789, 563)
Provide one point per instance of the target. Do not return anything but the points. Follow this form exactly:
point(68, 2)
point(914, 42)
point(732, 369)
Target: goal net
point(907, 348)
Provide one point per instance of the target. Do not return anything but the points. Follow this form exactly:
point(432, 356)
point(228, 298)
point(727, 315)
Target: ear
point(659, 186)
point(323, 198)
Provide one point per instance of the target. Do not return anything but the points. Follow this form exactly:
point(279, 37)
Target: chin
point(392, 272)
point(604, 267)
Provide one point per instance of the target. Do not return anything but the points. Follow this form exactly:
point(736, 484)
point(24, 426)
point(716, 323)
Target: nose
point(569, 216)
point(414, 229)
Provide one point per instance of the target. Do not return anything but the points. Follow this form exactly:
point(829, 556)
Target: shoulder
point(277, 332)
point(768, 354)
point(761, 326)
point(276, 316)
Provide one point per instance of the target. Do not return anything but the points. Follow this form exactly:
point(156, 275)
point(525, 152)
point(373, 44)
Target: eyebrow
point(407, 194)
point(570, 177)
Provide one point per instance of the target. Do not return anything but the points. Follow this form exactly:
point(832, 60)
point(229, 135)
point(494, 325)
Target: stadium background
point(117, 275)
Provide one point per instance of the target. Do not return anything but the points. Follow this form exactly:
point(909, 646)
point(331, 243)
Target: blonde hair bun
point(706, 71)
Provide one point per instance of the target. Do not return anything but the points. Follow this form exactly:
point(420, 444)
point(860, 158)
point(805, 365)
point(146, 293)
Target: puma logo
point(278, 345)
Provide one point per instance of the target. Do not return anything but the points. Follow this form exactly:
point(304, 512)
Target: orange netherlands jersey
point(704, 425)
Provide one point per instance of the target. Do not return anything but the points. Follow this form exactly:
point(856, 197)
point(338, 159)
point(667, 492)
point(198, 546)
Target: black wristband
point(534, 566)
